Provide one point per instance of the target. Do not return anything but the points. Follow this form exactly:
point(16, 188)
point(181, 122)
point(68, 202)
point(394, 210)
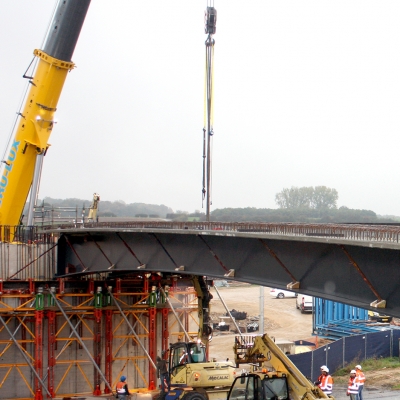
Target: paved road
point(368, 393)
point(339, 393)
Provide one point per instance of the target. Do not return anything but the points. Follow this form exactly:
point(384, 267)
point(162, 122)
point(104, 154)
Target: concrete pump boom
point(36, 119)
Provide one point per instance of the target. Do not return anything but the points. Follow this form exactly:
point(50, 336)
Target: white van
point(304, 303)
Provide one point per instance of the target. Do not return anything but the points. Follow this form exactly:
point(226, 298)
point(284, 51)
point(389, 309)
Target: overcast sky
point(307, 93)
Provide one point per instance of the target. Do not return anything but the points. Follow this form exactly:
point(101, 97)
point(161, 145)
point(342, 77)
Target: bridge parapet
point(356, 232)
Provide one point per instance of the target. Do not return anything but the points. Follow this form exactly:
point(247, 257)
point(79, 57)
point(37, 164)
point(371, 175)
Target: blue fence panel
point(335, 355)
point(319, 358)
point(378, 344)
point(354, 348)
point(303, 362)
point(396, 339)
point(347, 351)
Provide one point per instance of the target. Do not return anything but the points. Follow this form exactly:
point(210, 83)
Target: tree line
point(302, 204)
point(298, 215)
point(296, 204)
point(111, 208)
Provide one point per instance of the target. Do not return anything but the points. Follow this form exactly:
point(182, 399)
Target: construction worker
point(122, 389)
point(318, 381)
point(352, 388)
point(162, 373)
point(325, 381)
point(184, 357)
point(360, 380)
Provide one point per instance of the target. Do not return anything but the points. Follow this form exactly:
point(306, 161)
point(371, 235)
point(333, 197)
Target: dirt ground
point(281, 317)
point(282, 320)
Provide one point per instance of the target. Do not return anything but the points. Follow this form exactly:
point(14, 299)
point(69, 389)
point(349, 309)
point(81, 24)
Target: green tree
point(318, 198)
point(295, 197)
point(324, 198)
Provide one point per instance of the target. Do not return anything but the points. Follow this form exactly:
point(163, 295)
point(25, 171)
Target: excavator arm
point(204, 297)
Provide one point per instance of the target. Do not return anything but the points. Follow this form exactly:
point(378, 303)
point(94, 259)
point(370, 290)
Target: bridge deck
point(352, 264)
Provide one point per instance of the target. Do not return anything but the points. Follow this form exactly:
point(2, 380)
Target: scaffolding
point(64, 336)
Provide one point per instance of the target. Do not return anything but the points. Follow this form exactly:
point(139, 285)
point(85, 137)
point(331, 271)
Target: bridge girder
point(346, 271)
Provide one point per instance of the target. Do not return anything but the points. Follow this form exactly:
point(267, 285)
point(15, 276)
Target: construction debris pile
point(224, 323)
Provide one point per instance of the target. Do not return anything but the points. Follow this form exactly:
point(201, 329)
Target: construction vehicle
point(22, 166)
point(92, 217)
point(377, 317)
point(273, 377)
point(192, 376)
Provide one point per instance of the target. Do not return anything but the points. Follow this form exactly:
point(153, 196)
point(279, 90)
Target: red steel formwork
point(61, 337)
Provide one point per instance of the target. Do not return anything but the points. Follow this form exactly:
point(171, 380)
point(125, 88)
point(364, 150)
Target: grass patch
point(341, 376)
point(370, 364)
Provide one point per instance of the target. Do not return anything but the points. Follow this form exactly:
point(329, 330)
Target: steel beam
point(39, 315)
point(108, 349)
point(317, 262)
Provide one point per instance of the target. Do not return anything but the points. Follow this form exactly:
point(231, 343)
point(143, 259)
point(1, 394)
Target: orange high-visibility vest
point(121, 388)
point(326, 384)
point(352, 386)
point(360, 377)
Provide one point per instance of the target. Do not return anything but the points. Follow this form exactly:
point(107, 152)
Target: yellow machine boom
point(31, 137)
point(36, 119)
point(263, 351)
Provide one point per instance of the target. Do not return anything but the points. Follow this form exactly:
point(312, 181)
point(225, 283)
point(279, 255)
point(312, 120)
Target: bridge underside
point(345, 271)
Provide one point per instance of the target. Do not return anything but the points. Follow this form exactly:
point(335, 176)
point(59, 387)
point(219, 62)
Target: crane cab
point(183, 353)
point(189, 367)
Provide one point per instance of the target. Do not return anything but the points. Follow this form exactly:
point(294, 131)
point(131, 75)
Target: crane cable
point(208, 131)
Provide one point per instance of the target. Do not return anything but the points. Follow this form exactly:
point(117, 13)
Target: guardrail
point(366, 233)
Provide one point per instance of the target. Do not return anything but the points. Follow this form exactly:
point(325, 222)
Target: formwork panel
point(74, 337)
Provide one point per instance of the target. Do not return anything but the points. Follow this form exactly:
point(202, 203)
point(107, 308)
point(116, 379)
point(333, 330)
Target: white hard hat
point(325, 368)
point(353, 371)
point(358, 367)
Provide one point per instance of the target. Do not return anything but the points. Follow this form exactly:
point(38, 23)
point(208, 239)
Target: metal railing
point(368, 233)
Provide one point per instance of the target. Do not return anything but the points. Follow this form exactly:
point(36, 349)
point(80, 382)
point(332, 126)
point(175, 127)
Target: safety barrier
point(348, 350)
point(355, 232)
point(343, 232)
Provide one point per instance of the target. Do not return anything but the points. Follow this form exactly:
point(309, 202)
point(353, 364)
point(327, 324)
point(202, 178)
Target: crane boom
point(36, 120)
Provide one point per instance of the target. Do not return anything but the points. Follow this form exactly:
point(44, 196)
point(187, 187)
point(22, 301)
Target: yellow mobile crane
point(276, 378)
point(36, 120)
